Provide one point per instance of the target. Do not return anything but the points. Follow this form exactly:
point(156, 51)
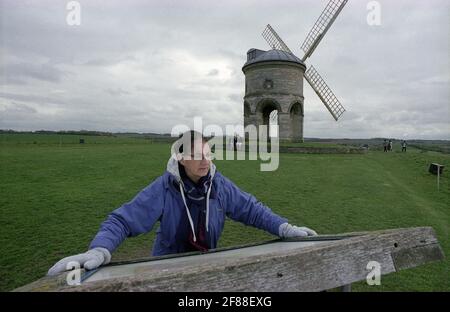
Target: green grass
point(311, 144)
point(52, 139)
point(54, 197)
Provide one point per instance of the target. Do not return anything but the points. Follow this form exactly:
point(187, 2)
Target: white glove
point(287, 230)
point(89, 260)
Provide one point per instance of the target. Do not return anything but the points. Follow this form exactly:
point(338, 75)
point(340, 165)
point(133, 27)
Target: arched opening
point(267, 111)
point(296, 114)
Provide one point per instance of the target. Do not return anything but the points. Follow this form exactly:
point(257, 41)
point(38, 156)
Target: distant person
point(238, 142)
point(385, 145)
point(390, 145)
point(404, 146)
point(235, 141)
point(190, 200)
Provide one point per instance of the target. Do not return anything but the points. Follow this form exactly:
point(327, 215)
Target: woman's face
point(198, 162)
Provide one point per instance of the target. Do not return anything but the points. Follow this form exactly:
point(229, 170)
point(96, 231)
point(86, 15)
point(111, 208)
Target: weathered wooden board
point(308, 264)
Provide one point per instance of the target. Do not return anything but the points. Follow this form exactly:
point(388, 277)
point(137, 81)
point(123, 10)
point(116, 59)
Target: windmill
point(260, 65)
point(316, 34)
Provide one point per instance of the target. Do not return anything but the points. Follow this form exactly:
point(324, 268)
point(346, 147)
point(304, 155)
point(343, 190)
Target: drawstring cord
point(207, 206)
point(188, 213)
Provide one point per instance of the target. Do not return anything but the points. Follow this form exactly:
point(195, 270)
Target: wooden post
point(438, 174)
point(303, 264)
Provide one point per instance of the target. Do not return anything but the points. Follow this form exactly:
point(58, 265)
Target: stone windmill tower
point(274, 80)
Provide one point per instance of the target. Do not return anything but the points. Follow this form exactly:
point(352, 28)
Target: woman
point(191, 200)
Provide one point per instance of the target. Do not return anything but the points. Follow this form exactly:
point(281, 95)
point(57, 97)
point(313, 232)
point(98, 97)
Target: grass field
point(55, 193)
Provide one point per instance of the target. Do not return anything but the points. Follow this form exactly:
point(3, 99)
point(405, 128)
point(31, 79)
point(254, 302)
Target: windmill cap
point(257, 56)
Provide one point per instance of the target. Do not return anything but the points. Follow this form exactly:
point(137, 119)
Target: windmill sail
point(274, 40)
point(324, 92)
point(323, 23)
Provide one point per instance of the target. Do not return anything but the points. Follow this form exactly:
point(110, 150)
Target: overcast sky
point(147, 66)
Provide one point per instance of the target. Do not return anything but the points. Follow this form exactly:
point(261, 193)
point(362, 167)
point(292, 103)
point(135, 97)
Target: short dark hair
point(190, 135)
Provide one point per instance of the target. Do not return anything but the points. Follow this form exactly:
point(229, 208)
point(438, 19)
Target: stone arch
point(264, 110)
point(296, 106)
point(296, 120)
point(263, 104)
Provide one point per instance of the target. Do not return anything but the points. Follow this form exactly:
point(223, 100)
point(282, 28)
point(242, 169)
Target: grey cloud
point(18, 109)
point(144, 66)
point(236, 98)
point(18, 73)
point(116, 92)
point(213, 72)
point(30, 98)
point(108, 61)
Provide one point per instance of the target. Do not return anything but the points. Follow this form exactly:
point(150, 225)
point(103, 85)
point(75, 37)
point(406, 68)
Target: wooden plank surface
point(307, 264)
point(182, 264)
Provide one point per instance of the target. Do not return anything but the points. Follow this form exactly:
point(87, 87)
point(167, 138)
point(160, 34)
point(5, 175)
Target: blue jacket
point(177, 207)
